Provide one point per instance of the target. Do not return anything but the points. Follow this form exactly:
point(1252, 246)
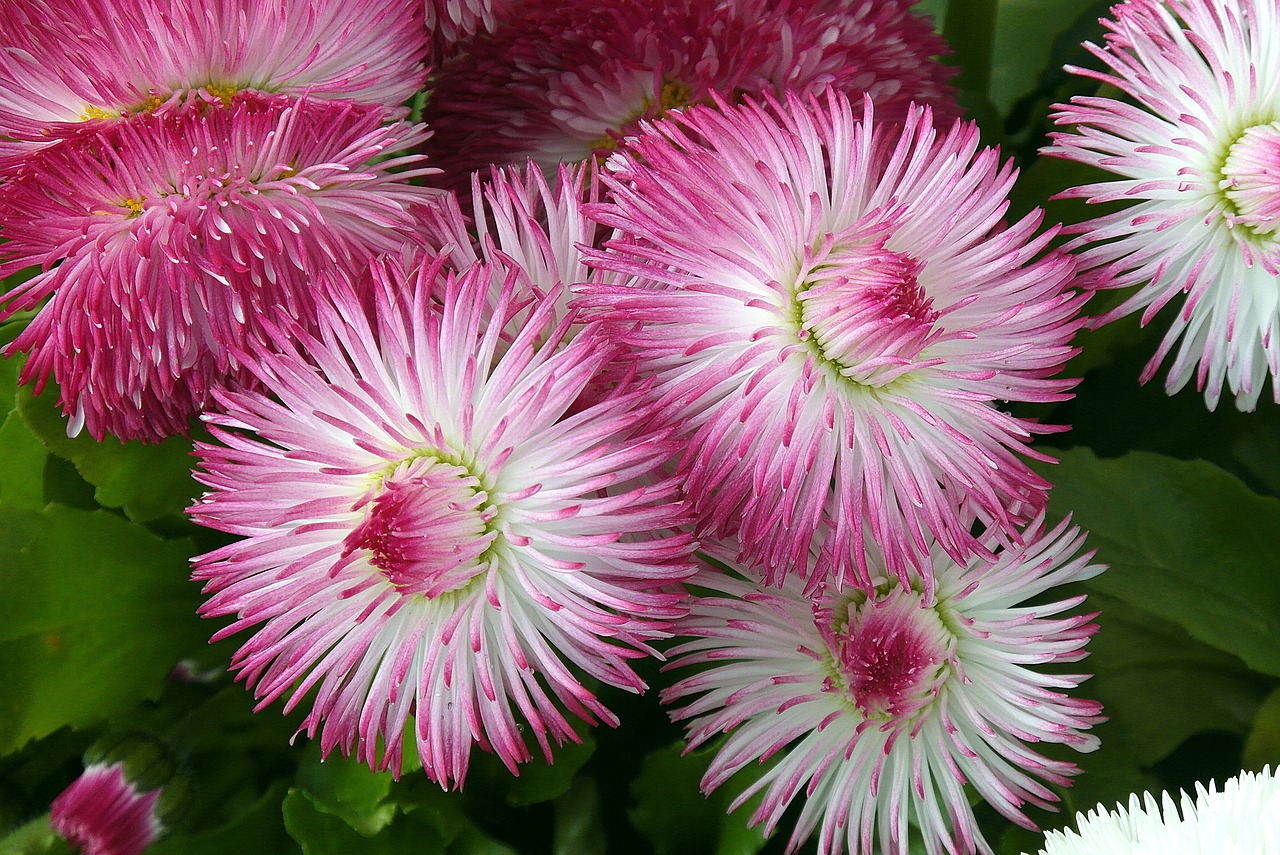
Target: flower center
point(890, 653)
point(1251, 178)
point(864, 310)
point(672, 96)
point(427, 530)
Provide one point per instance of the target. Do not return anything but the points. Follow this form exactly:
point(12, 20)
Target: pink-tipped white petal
point(876, 707)
point(435, 527)
point(1195, 146)
point(835, 313)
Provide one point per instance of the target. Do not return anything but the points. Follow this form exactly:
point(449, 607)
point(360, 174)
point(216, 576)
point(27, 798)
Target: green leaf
point(1160, 686)
point(1113, 414)
point(969, 29)
point(347, 789)
point(259, 829)
point(321, 833)
point(473, 841)
point(146, 481)
point(1020, 841)
point(1186, 542)
point(22, 462)
point(34, 838)
point(540, 781)
point(579, 826)
point(94, 613)
point(677, 819)
point(1022, 44)
point(1262, 748)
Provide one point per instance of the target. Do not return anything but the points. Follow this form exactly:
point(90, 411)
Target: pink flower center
point(427, 530)
point(1251, 178)
point(867, 314)
point(890, 653)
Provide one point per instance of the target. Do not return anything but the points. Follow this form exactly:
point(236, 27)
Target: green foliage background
point(96, 607)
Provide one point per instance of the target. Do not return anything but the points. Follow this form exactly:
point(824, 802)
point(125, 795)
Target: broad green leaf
point(1160, 686)
point(969, 28)
point(347, 789)
point(443, 811)
point(935, 9)
point(145, 480)
point(22, 454)
point(22, 462)
point(540, 781)
point(321, 833)
point(1022, 44)
point(1021, 841)
point(672, 813)
point(1262, 748)
point(1186, 542)
point(473, 841)
point(579, 828)
point(94, 613)
point(34, 838)
point(259, 829)
point(1113, 414)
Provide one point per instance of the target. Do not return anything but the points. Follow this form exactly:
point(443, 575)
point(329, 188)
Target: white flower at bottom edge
point(1243, 818)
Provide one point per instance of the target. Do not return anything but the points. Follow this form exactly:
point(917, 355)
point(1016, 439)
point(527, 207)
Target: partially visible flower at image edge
point(563, 80)
point(103, 813)
point(156, 262)
point(1241, 818)
point(67, 63)
point(1196, 146)
point(432, 528)
point(882, 708)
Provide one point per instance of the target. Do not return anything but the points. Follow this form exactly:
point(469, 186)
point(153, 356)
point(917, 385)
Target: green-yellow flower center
point(1251, 179)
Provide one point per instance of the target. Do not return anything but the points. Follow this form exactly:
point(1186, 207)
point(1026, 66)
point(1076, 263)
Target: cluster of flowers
point(721, 349)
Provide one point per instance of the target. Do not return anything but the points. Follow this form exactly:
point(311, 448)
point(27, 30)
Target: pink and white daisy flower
point(165, 240)
point(433, 529)
point(104, 813)
point(520, 217)
point(561, 81)
point(878, 708)
point(835, 312)
point(1196, 146)
point(63, 62)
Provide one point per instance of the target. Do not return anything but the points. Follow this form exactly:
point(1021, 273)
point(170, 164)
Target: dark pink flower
point(164, 240)
point(63, 62)
point(559, 81)
point(103, 813)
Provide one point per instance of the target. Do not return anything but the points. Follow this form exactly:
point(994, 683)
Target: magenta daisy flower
point(451, 21)
point(167, 239)
point(835, 314)
point(881, 707)
point(433, 529)
point(563, 80)
point(1196, 146)
point(104, 813)
point(65, 61)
